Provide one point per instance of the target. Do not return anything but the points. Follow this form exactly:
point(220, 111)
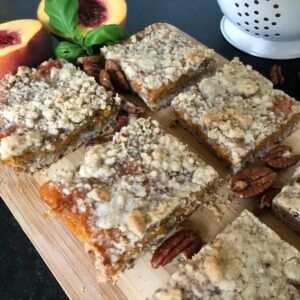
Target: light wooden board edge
point(65, 255)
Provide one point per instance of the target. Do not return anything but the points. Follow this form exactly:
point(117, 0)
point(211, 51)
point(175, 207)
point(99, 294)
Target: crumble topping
point(246, 261)
point(289, 197)
point(39, 109)
point(135, 182)
point(157, 56)
point(237, 108)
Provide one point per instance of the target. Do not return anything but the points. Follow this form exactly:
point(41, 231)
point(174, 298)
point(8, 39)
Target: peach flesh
point(92, 13)
point(23, 43)
point(108, 12)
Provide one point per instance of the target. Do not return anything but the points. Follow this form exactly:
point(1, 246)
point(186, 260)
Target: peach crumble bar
point(129, 192)
point(246, 261)
point(287, 203)
point(237, 112)
point(48, 111)
point(159, 61)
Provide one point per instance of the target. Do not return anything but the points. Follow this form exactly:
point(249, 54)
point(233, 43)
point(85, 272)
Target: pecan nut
point(276, 75)
point(265, 201)
point(184, 241)
point(117, 75)
point(92, 65)
point(105, 80)
point(281, 157)
point(252, 181)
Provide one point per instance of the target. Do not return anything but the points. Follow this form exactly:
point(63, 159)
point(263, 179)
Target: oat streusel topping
point(141, 177)
point(289, 197)
point(246, 261)
point(237, 108)
point(157, 56)
point(40, 109)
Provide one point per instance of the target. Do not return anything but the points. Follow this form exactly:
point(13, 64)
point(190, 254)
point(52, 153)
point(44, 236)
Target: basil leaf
point(68, 51)
point(63, 15)
point(105, 34)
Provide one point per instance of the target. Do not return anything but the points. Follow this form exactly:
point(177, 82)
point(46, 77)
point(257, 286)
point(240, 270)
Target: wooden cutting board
point(65, 255)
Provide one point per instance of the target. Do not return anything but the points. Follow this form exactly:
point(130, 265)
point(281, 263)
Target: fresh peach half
point(92, 14)
point(23, 43)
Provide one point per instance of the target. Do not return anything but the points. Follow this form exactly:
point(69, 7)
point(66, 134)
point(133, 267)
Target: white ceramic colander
point(264, 28)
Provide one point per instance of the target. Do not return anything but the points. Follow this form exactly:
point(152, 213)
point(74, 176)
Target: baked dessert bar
point(287, 203)
point(159, 61)
point(246, 261)
point(237, 112)
point(48, 111)
point(128, 192)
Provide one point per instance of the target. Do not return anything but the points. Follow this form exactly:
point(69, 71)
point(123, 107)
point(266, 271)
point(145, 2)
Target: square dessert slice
point(159, 61)
point(246, 261)
point(129, 192)
point(287, 203)
point(237, 112)
point(48, 111)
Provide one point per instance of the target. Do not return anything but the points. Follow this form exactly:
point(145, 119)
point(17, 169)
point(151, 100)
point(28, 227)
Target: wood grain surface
point(65, 255)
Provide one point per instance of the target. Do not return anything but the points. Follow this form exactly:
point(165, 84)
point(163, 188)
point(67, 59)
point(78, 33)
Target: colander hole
point(247, 14)
point(256, 33)
point(266, 19)
point(256, 21)
point(256, 12)
point(237, 5)
point(257, 28)
point(266, 27)
point(274, 23)
point(277, 34)
point(247, 23)
point(246, 4)
point(266, 35)
point(276, 6)
point(278, 15)
point(247, 30)
point(240, 14)
point(238, 23)
point(256, 2)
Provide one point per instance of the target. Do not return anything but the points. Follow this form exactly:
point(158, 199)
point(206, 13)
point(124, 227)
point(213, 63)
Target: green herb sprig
point(63, 15)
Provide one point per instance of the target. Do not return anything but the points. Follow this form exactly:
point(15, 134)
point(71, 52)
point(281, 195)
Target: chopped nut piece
point(136, 223)
point(103, 195)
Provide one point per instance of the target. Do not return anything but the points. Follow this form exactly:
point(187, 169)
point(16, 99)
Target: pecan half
point(184, 241)
point(105, 80)
point(92, 65)
point(252, 181)
point(117, 75)
point(276, 75)
point(281, 157)
point(265, 201)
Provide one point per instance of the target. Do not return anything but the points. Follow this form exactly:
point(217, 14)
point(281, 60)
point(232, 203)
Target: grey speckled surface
point(23, 274)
